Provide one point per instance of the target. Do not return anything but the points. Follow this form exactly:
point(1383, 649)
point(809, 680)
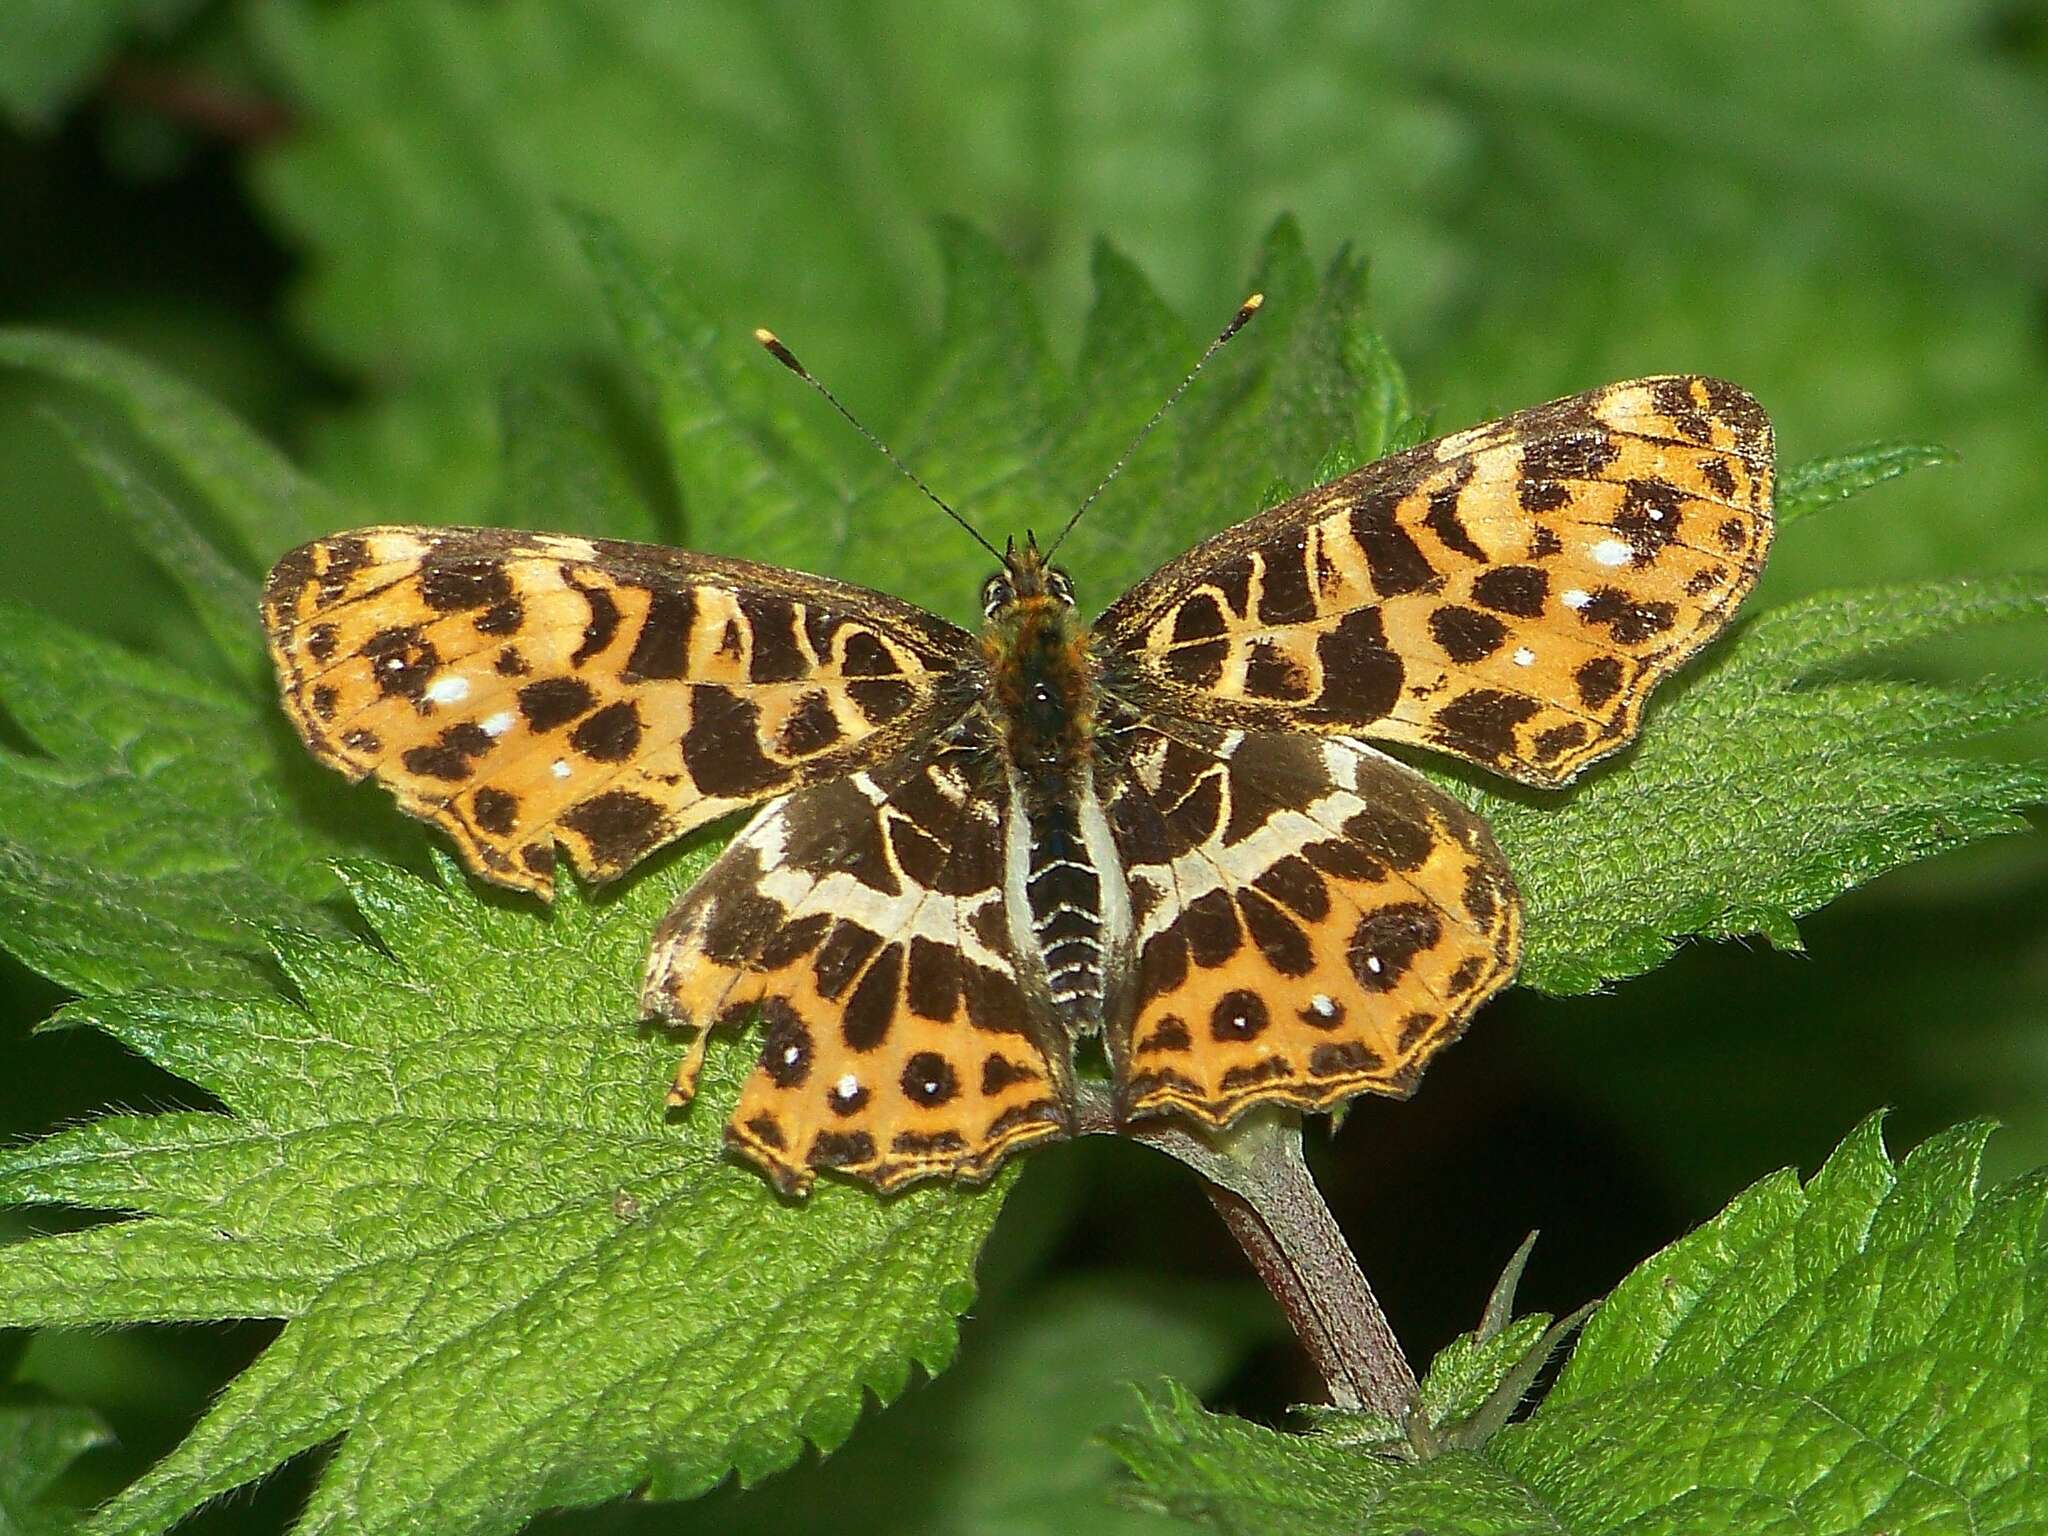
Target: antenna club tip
point(1242, 318)
point(777, 350)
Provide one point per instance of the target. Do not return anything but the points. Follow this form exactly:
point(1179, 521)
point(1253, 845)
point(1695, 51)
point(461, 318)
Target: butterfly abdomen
point(1063, 892)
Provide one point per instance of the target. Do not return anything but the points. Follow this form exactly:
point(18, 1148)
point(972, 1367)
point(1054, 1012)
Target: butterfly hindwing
point(1509, 594)
point(524, 690)
point(1312, 920)
point(864, 918)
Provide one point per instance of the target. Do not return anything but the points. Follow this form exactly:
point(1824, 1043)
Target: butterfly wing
point(1312, 920)
point(1509, 594)
point(864, 917)
point(524, 690)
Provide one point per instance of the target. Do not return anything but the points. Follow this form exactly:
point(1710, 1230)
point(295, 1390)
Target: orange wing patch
point(864, 918)
point(1313, 921)
point(1509, 594)
point(527, 690)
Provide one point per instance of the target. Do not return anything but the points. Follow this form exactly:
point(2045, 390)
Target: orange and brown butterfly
point(969, 852)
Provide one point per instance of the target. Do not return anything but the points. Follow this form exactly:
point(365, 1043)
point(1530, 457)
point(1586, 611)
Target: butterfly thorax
point(1042, 690)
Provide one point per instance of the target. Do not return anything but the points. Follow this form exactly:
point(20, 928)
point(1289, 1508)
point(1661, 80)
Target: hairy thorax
point(1042, 686)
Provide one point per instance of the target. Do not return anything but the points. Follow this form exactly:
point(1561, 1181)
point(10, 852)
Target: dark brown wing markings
point(1407, 636)
point(877, 1060)
point(486, 678)
point(1269, 997)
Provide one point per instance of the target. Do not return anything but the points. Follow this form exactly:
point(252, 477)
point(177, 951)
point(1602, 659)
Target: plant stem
point(1255, 1176)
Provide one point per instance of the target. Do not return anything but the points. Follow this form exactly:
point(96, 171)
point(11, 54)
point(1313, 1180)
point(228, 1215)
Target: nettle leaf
point(1806, 488)
point(150, 834)
point(509, 1283)
point(1857, 1354)
point(38, 1443)
point(220, 593)
point(259, 497)
point(770, 155)
point(566, 466)
point(1003, 432)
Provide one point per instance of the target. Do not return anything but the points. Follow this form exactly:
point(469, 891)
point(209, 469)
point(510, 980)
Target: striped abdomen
point(1063, 892)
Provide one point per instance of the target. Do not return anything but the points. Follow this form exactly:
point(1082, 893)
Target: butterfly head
point(1025, 580)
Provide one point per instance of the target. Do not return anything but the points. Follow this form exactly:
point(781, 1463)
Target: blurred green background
point(343, 219)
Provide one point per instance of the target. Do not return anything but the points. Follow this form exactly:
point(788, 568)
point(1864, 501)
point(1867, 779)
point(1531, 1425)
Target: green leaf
point(1471, 1389)
point(510, 1284)
point(38, 1442)
point(750, 483)
point(1855, 1355)
point(1477, 1381)
point(1804, 489)
point(565, 463)
point(221, 597)
point(261, 499)
point(777, 157)
point(156, 827)
point(1767, 783)
point(777, 152)
point(1005, 434)
point(1001, 1443)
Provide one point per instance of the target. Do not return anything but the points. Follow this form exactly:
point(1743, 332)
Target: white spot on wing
point(847, 1086)
point(559, 769)
point(1524, 657)
point(1372, 963)
point(1576, 598)
point(448, 690)
point(1324, 1005)
point(498, 724)
point(1610, 552)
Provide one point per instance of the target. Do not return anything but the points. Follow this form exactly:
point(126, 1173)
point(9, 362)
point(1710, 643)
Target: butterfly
point(969, 853)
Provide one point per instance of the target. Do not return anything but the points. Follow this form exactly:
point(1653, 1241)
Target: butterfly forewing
point(864, 918)
point(1509, 594)
point(527, 690)
point(1312, 920)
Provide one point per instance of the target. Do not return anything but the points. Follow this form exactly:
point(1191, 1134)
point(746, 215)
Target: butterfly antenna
point(775, 349)
point(1238, 322)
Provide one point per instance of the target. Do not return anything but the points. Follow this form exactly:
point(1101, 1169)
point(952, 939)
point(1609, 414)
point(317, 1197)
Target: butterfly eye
point(1061, 585)
point(995, 593)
